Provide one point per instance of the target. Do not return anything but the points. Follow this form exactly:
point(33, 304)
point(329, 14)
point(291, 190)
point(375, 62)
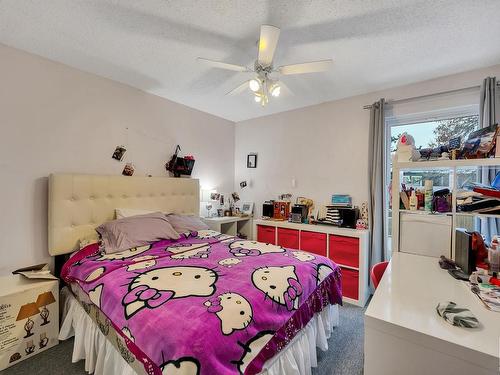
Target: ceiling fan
point(264, 84)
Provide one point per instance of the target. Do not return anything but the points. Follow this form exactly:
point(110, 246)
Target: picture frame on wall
point(252, 161)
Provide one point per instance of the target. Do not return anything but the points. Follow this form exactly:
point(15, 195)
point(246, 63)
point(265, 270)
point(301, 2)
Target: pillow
point(127, 212)
point(123, 234)
point(186, 223)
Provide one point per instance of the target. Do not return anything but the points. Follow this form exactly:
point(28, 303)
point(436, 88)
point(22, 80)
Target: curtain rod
point(399, 101)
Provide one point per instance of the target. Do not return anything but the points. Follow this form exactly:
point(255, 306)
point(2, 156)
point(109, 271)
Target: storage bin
point(266, 234)
point(344, 250)
point(350, 282)
point(313, 242)
point(288, 238)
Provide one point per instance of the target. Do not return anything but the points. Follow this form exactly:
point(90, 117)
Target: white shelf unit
point(449, 165)
point(231, 225)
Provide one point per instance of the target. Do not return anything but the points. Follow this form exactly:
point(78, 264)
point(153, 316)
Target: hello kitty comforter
point(207, 303)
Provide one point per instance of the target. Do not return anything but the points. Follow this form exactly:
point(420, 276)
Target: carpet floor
point(344, 355)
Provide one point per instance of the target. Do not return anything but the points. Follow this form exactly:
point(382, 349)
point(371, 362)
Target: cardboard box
point(29, 317)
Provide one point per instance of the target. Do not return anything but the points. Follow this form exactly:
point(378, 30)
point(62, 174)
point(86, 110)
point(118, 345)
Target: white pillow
point(127, 212)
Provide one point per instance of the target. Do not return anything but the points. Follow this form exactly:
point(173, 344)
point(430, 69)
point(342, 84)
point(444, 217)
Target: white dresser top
point(407, 297)
point(329, 229)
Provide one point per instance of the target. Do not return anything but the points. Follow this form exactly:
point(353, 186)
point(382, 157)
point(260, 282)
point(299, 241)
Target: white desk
point(405, 335)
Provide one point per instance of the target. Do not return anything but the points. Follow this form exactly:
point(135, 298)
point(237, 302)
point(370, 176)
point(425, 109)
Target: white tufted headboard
point(79, 203)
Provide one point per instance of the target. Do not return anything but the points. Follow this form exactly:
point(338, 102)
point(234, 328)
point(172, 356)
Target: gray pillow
point(186, 223)
point(123, 234)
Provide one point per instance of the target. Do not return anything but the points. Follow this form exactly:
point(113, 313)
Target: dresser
point(346, 247)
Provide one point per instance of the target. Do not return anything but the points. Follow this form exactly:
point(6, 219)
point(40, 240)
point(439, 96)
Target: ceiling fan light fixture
point(258, 98)
point(275, 90)
point(254, 85)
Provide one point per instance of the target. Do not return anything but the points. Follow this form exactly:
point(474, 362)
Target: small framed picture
point(252, 161)
point(128, 170)
point(119, 153)
point(246, 208)
point(243, 184)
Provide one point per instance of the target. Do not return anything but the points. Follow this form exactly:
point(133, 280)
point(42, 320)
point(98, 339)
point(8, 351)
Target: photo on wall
point(119, 153)
point(128, 170)
point(252, 161)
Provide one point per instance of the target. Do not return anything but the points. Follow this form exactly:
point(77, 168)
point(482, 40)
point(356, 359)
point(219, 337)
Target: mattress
point(206, 303)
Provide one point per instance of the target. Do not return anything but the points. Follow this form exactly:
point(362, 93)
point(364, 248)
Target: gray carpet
point(344, 356)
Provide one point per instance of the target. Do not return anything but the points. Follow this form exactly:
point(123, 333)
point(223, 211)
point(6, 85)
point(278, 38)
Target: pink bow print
point(292, 293)
point(215, 305)
point(151, 297)
point(239, 252)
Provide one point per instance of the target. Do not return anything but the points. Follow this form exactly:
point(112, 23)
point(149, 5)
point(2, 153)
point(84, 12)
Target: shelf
point(447, 163)
point(475, 214)
point(426, 213)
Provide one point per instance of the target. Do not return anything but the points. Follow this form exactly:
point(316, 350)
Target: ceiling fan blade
point(285, 89)
point(223, 65)
point(268, 41)
point(239, 89)
point(308, 67)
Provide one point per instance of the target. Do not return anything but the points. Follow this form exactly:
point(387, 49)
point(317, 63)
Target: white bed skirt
point(102, 358)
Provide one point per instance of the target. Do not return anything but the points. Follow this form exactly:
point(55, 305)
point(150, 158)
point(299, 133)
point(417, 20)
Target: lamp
point(27, 311)
point(43, 300)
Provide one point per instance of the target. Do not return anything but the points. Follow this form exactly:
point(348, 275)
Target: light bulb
point(275, 90)
point(254, 85)
point(257, 98)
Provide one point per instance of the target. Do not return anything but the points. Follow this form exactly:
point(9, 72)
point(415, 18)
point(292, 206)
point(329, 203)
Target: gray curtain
point(376, 171)
point(488, 115)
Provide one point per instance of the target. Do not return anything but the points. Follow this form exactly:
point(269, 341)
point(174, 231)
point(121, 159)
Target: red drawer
point(266, 234)
point(344, 250)
point(288, 238)
point(313, 242)
point(350, 283)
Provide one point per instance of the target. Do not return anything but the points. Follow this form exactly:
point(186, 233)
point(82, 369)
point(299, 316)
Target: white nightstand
point(231, 225)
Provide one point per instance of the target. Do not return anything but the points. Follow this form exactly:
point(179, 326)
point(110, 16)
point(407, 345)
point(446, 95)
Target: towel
point(457, 316)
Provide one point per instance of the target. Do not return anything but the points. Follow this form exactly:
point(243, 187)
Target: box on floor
point(29, 317)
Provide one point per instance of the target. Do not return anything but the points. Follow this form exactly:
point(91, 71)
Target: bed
point(206, 303)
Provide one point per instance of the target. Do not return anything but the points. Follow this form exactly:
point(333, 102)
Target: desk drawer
point(313, 242)
point(288, 238)
point(344, 250)
point(350, 283)
point(266, 234)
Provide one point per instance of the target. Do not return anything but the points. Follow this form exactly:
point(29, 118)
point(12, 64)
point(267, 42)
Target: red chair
point(377, 272)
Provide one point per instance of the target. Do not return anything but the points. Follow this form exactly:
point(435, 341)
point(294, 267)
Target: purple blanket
point(207, 303)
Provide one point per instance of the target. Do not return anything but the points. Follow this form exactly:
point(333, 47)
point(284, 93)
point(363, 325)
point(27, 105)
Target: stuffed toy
point(406, 150)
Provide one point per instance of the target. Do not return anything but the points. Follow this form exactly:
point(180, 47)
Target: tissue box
point(29, 317)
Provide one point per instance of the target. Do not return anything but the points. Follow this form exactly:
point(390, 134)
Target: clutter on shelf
point(340, 213)
point(480, 144)
point(425, 199)
point(480, 198)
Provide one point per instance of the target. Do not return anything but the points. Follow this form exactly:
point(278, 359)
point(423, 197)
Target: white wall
point(325, 147)
point(54, 118)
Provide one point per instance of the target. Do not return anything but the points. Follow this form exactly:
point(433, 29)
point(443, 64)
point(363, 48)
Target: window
point(429, 131)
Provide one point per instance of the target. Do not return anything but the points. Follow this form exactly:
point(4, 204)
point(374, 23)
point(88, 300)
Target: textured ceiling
point(153, 44)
